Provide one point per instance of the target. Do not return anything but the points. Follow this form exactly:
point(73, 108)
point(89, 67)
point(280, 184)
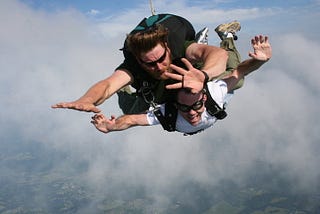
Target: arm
point(214, 59)
point(262, 52)
point(123, 122)
point(98, 93)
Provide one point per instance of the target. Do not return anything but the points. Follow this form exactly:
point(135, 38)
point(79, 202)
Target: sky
point(53, 51)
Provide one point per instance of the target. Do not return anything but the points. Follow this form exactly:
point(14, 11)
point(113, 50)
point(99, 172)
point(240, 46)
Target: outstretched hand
point(261, 48)
point(191, 77)
point(77, 105)
point(102, 123)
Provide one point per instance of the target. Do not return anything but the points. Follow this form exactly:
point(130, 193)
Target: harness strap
point(147, 94)
point(171, 114)
point(168, 120)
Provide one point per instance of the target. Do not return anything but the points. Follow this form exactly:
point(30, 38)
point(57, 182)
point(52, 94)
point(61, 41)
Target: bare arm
point(262, 52)
point(214, 60)
point(98, 93)
point(123, 122)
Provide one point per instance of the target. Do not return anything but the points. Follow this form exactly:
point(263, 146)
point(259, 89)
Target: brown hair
point(144, 41)
point(187, 91)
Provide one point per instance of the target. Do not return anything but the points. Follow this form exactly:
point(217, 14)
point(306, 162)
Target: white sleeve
point(218, 91)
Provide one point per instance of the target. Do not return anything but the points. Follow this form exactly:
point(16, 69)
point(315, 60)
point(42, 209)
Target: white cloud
point(94, 12)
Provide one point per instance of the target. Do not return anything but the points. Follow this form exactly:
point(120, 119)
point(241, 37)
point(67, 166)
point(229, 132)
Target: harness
point(168, 120)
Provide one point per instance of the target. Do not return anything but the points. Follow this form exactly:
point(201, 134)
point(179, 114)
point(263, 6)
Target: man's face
point(191, 106)
point(156, 62)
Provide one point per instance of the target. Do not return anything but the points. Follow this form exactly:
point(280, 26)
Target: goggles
point(195, 106)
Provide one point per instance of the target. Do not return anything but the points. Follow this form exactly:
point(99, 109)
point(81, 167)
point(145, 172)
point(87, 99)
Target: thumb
point(252, 54)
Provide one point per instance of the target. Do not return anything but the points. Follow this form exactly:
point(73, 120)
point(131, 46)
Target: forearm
point(248, 66)
point(127, 121)
point(104, 89)
point(123, 122)
point(261, 54)
point(243, 69)
point(97, 94)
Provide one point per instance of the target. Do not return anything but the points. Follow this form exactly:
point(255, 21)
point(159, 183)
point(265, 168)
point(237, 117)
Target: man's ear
point(167, 48)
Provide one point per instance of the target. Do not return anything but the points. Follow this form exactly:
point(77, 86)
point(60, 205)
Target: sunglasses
point(195, 106)
point(154, 63)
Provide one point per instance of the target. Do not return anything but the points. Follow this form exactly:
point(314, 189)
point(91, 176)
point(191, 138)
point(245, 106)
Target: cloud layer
point(51, 57)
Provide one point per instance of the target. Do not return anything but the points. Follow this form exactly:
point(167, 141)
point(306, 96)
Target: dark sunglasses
point(195, 106)
point(154, 63)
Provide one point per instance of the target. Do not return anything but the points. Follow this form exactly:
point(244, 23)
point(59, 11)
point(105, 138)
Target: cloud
point(279, 121)
point(51, 57)
point(93, 12)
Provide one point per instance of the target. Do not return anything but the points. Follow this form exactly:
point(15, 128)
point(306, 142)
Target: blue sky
point(83, 5)
point(52, 51)
point(260, 12)
point(116, 6)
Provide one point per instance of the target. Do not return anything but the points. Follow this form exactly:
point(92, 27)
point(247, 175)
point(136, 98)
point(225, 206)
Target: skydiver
point(193, 115)
point(149, 50)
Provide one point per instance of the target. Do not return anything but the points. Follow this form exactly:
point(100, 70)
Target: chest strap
point(169, 119)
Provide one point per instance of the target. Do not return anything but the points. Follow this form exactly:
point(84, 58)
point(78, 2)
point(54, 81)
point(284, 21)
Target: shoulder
point(194, 51)
point(218, 90)
point(216, 85)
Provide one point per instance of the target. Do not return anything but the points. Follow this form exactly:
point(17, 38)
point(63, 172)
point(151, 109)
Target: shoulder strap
point(168, 120)
point(213, 108)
